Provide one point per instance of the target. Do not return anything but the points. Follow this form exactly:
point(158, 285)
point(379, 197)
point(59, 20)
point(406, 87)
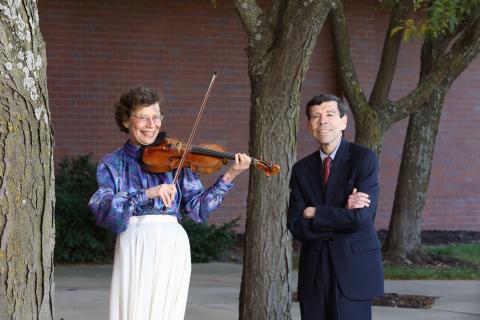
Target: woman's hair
point(135, 97)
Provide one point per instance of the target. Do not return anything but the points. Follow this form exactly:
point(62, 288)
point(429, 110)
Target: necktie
point(326, 169)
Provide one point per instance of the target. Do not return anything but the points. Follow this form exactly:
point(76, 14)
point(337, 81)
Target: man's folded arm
point(300, 227)
point(341, 219)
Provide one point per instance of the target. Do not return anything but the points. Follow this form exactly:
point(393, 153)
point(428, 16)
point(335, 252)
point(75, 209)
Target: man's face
point(326, 125)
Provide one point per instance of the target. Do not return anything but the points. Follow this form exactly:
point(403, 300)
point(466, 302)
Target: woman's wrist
point(228, 176)
point(149, 192)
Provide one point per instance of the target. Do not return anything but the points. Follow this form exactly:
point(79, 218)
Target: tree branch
point(249, 12)
point(346, 69)
point(469, 33)
point(449, 67)
point(391, 47)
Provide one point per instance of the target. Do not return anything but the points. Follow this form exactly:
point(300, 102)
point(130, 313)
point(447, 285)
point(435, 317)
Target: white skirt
point(151, 270)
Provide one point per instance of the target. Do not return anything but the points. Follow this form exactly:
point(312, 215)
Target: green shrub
point(78, 238)
point(209, 242)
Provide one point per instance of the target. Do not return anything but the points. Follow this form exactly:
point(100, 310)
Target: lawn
point(464, 252)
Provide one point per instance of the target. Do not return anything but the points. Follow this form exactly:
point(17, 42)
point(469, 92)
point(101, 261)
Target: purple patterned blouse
point(121, 192)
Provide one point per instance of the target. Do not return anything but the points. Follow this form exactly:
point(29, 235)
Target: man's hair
point(135, 97)
point(321, 98)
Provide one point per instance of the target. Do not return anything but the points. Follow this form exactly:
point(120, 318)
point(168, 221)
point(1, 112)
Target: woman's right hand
point(166, 192)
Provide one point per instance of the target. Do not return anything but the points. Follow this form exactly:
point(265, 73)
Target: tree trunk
point(370, 131)
point(265, 291)
point(279, 52)
point(26, 167)
point(404, 237)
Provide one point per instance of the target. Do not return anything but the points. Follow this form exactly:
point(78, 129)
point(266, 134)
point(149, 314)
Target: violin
point(167, 154)
point(173, 154)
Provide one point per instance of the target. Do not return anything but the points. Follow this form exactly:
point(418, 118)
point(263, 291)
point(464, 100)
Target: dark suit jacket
point(354, 245)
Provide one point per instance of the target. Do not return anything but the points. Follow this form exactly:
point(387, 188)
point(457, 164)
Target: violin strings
point(213, 153)
point(218, 154)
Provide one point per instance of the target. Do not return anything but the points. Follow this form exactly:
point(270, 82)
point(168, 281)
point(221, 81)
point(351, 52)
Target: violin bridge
point(179, 147)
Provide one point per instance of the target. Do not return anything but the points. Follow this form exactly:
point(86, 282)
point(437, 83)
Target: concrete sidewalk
point(82, 293)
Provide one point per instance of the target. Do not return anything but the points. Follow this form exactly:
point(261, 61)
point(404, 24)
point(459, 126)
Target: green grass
point(465, 252)
point(430, 273)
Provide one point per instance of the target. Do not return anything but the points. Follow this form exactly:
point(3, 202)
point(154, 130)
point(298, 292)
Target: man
point(332, 206)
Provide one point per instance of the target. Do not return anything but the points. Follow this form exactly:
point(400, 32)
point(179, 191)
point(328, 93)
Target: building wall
point(98, 49)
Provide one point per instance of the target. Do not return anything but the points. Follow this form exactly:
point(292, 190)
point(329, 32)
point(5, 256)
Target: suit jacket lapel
point(337, 172)
point(316, 178)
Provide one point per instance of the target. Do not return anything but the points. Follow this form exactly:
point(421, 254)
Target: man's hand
point(309, 212)
point(357, 200)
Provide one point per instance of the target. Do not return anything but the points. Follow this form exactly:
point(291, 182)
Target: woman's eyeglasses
point(143, 119)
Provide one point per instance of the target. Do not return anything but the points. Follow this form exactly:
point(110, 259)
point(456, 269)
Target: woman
point(151, 271)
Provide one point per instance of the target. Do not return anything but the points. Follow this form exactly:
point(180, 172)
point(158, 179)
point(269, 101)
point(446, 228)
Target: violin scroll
point(269, 169)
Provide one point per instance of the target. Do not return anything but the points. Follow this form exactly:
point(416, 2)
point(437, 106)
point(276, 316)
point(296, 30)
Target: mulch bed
point(398, 300)
point(404, 301)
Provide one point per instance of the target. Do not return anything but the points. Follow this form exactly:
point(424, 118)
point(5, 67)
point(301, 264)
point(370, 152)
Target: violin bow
point(194, 129)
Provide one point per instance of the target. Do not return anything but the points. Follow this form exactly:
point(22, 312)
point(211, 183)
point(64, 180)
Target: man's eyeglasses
point(143, 119)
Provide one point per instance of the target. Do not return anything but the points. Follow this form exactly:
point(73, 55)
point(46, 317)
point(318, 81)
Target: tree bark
point(404, 237)
point(369, 131)
point(26, 167)
point(280, 43)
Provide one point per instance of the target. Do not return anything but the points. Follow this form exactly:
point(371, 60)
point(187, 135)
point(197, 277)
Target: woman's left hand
point(242, 163)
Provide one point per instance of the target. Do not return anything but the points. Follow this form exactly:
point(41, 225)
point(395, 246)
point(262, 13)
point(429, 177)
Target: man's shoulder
point(361, 155)
point(359, 149)
point(306, 160)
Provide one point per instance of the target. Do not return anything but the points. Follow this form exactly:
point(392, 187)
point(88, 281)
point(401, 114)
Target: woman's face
point(144, 124)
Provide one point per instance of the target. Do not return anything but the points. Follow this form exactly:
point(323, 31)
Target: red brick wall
point(97, 49)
